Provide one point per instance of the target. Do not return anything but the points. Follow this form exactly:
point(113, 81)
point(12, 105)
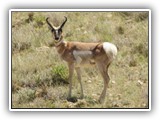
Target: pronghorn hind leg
point(104, 72)
point(78, 70)
point(71, 71)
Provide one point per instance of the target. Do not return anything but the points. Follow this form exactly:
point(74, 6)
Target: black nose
point(57, 38)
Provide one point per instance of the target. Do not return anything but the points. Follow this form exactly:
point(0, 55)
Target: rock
point(139, 83)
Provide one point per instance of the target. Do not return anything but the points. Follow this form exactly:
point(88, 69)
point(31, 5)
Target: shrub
point(26, 95)
point(59, 75)
point(20, 46)
point(141, 49)
point(141, 16)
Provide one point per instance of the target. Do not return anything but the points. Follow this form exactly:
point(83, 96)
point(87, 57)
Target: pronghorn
point(78, 53)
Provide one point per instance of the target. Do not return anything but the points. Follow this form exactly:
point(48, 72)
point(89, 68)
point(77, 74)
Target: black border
point(84, 10)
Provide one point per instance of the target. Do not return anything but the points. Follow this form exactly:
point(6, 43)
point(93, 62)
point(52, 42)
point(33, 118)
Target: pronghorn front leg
point(71, 71)
point(78, 70)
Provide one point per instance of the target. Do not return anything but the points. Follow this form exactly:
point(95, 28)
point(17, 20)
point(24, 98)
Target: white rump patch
point(110, 49)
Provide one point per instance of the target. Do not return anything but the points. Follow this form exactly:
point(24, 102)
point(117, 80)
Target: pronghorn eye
point(60, 30)
point(52, 30)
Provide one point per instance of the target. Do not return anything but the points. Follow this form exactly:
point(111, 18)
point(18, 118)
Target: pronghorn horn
point(49, 23)
point(63, 22)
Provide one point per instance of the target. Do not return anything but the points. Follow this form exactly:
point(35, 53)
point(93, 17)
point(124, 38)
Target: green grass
point(39, 76)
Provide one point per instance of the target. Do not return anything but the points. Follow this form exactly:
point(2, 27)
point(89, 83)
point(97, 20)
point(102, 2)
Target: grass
point(39, 76)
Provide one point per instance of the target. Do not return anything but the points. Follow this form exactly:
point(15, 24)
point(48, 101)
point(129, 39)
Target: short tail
point(110, 49)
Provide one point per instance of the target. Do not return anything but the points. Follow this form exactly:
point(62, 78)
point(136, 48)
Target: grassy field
point(39, 76)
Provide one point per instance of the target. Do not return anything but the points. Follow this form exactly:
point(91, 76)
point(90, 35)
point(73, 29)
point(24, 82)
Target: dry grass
point(39, 76)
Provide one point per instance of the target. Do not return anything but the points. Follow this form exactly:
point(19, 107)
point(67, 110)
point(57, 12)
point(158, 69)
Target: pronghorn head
point(56, 31)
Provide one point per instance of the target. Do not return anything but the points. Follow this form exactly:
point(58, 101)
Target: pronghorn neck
point(61, 46)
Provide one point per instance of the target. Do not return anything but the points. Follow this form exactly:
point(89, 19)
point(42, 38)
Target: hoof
point(72, 99)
